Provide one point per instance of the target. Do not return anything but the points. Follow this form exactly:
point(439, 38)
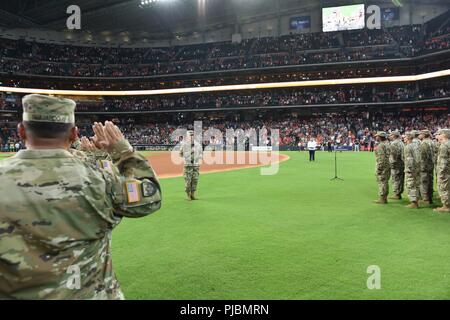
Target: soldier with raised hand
point(382, 167)
point(443, 170)
point(412, 170)
point(192, 152)
point(426, 167)
point(397, 162)
point(58, 211)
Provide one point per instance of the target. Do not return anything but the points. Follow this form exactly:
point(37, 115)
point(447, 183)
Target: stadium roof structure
point(165, 18)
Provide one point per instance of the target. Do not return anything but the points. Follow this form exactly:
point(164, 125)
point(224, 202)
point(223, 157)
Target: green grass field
point(295, 235)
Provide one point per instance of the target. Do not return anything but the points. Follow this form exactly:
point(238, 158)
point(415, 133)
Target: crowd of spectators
point(329, 129)
point(259, 98)
point(21, 57)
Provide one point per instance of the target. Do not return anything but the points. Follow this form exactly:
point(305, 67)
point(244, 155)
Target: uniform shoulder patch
point(148, 189)
point(106, 164)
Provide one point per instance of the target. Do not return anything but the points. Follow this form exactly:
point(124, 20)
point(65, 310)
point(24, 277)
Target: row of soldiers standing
point(413, 161)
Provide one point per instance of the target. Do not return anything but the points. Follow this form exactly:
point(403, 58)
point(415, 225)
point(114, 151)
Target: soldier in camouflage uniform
point(412, 170)
point(443, 170)
point(426, 167)
point(58, 211)
point(382, 168)
point(416, 134)
point(191, 151)
point(397, 162)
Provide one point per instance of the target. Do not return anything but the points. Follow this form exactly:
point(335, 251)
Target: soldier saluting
point(382, 167)
point(58, 211)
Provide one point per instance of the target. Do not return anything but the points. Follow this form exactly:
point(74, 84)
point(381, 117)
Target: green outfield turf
point(294, 235)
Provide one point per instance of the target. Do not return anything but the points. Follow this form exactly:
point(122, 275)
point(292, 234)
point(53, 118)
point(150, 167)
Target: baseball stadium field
point(294, 235)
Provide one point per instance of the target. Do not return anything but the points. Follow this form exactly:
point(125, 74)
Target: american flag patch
point(106, 165)
point(133, 192)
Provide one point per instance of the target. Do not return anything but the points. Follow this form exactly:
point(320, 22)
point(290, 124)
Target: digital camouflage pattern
point(192, 154)
point(426, 169)
point(382, 168)
point(443, 173)
point(56, 219)
point(397, 162)
point(412, 171)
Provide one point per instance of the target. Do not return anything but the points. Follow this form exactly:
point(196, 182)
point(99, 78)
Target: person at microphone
point(312, 145)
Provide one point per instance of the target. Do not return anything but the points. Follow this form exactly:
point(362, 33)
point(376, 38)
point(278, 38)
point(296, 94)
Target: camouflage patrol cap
point(395, 134)
point(190, 132)
point(41, 108)
point(425, 132)
point(409, 135)
point(381, 134)
point(415, 133)
point(445, 132)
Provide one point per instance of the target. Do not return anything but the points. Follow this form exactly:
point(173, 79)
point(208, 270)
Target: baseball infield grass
point(294, 235)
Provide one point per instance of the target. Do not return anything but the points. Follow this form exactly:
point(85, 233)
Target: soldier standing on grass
point(397, 162)
point(382, 168)
point(58, 210)
point(443, 170)
point(426, 167)
point(191, 151)
point(412, 170)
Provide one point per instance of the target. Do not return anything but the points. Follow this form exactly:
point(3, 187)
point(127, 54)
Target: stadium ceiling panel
point(168, 16)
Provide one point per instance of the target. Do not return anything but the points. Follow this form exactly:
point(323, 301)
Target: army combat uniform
point(192, 154)
point(397, 162)
point(426, 170)
point(412, 170)
point(382, 168)
point(58, 212)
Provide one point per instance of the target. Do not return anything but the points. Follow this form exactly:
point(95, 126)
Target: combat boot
point(426, 202)
point(412, 205)
point(188, 196)
point(193, 196)
point(381, 200)
point(442, 209)
point(396, 197)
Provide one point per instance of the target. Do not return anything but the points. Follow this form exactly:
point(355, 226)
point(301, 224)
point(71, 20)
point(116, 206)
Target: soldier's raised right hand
point(106, 136)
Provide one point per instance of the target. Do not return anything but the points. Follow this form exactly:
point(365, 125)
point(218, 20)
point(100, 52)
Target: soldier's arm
point(444, 158)
point(132, 184)
point(93, 152)
point(387, 153)
point(181, 150)
point(409, 159)
point(380, 157)
point(393, 153)
point(423, 155)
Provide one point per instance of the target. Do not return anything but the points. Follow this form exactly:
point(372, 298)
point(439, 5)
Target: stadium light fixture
point(149, 3)
point(254, 86)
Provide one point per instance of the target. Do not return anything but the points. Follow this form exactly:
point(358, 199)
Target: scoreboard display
point(343, 18)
